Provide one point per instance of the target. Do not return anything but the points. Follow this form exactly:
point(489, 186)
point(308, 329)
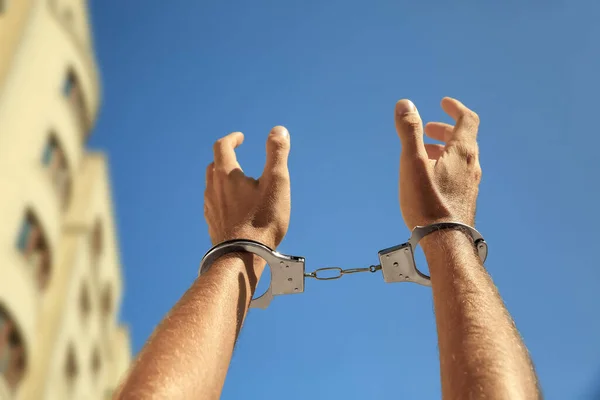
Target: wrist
point(239, 262)
point(447, 241)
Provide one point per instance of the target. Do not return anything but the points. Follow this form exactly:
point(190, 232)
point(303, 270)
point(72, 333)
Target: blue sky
point(177, 75)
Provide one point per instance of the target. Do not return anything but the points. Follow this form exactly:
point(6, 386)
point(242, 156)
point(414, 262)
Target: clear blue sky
point(177, 75)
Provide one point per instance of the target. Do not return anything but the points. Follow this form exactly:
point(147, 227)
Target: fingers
point(410, 129)
point(278, 150)
point(209, 174)
point(224, 151)
point(439, 131)
point(434, 151)
point(467, 121)
point(210, 171)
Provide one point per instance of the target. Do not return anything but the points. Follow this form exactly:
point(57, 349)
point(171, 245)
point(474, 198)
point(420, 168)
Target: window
point(32, 244)
point(71, 367)
point(85, 303)
point(12, 352)
point(96, 362)
point(72, 92)
point(96, 240)
point(107, 300)
point(106, 305)
point(69, 85)
point(50, 151)
point(55, 160)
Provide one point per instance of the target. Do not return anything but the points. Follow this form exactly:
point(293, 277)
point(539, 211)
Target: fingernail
point(405, 107)
point(280, 131)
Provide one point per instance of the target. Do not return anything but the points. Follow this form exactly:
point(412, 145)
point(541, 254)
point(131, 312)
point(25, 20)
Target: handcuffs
point(288, 272)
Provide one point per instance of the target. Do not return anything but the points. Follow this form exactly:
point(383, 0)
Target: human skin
point(482, 355)
point(188, 354)
point(481, 352)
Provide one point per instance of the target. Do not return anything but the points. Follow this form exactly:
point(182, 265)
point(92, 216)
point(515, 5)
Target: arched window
point(32, 243)
point(72, 92)
point(71, 366)
point(12, 352)
point(107, 301)
point(55, 160)
point(85, 302)
point(96, 364)
point(96, 240)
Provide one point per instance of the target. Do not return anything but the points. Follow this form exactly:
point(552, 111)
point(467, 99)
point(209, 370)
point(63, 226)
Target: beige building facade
point(60, 273)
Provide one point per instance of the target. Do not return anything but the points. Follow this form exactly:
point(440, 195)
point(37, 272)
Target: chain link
point(339, 272)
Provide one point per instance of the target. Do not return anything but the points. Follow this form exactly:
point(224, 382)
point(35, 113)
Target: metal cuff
point(398, 262)
point(287, 272)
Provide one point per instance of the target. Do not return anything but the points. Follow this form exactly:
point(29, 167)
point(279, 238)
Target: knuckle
point(277, 178)
point(472, 117)
point(218, 145)
point(477, 174)
point(467, 152)
point(279, 143)
point(411, 123)
point(220, 174)
point(420, 162)
point(280, 174)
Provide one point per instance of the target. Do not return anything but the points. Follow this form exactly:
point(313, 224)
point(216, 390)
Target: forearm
point(481, 351)
point(189, 353)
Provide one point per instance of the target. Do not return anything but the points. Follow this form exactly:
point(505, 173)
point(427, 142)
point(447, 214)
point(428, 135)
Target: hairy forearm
point(481, 352)
point(189, 353)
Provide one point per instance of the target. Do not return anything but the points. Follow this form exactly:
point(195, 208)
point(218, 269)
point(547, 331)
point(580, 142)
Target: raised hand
point(438, 182)
point(240, 207)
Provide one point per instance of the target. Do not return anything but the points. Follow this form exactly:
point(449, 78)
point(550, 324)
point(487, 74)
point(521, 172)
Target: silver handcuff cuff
point(288, 272)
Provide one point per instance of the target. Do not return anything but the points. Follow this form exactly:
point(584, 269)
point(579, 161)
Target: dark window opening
point(32, 243)
point(50, 151)
point(85, 303)
point(55, 160)
point(70, 85)
point(12, 351)
point(72, 92)
point(71, 367)
point(107, 301)
point(96, 362)
point(96, 240)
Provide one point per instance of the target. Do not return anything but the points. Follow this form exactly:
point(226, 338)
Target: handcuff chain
point(340, 272)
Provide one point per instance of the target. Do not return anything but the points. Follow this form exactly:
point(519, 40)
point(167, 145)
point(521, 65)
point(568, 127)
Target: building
point(60, 274)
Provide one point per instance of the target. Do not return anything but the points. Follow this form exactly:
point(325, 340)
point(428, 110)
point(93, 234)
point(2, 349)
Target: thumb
point(410, 129)
point(278, 149)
